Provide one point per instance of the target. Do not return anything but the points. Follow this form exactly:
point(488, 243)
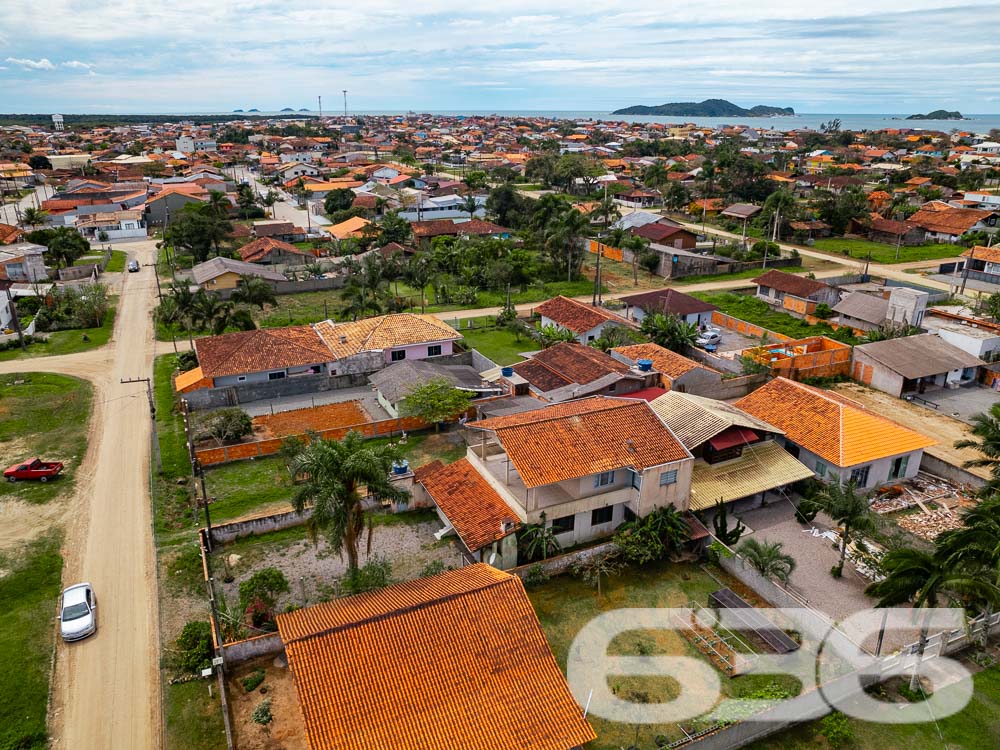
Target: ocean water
point(812, 121)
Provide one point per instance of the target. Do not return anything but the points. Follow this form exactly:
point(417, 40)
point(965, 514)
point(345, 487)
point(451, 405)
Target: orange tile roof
point(981, 252)
point(948, 221)
point(9, 234)
point(567, 363)
point(578, 317)
point(263, 349)
point(259, 249)
point(470, 503)
point(578, 438)
point(350, 228)
point(455, 661)
point(671, 364)
point(383, 332)
point(835, 428)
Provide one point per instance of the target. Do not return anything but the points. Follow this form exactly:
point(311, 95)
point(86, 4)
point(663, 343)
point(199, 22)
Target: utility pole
point(345, 103)
point(5, 285)
point(152, 416)
point(204, 503)
point(320, 98)
point(965, 268)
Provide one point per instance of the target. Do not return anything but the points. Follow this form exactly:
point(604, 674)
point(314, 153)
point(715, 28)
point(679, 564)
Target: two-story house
point(582, 467)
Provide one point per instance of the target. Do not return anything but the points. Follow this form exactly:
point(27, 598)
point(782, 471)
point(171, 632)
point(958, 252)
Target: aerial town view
point(535, 376)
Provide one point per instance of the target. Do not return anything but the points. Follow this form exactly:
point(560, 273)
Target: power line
point(152, 416)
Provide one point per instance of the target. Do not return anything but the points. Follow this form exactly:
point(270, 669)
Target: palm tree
point(418, 274)
point(976, 543)
point(986, 427)
point(253, 290)
point(655, 177)
point(219, 203)
point(269, 199)
point(470, 205)
point(333, 473)
point(768, 559)
point(669, 331)
point(847, 507)
point(34, 216)
point(778, 203)
point(924, 578)
point(538, 541)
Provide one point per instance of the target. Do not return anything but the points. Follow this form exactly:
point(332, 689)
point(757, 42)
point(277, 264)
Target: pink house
point(370, 344)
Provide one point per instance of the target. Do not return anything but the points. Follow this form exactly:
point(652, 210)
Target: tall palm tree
point(976, 543)
point(779, 206)
point(470, 205)
point(333, 473)
point(253, 290)
point(768, 559)
point(925, 578)
point(849, 508)
point(655, 177)
point(986, 427)
point(34, 216)
point(418, 274)
point(219, 203)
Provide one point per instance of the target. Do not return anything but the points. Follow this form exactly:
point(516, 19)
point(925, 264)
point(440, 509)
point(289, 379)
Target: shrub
point(373, 575)
point(262, 714)
point(187, 361)
point(836, 729)
point(823, 311)
point(536, 575)
point(432, 569)
point(264, 585)
point(195, 646)
point(252, 681)
point(913, 696)
point(228, 425)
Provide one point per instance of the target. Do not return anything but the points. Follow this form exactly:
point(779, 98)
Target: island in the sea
point(938, 114)
point(707, 108)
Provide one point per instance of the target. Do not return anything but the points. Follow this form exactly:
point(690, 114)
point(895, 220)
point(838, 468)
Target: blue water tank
point(401, 467)
point(645, 365)
point(507, 371)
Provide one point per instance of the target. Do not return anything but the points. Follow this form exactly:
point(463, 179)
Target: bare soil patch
point(286, 730)
point(298, 421)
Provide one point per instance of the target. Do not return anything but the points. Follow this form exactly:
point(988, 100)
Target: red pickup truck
point(33, 468)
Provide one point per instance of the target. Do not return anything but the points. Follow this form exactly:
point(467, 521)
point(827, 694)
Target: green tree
point(32, 216)
point(338, 200)
point(470, 205)
point(435, 401)
point(332, 474)
point(63, 245)
point(595, 569)
point(194, 646)
point(768, 559)
point(537, 541)
point(253, 290)
point(669, 331)
point(551, 334)
point(976, 543)
point(39, 161)
point(726, 535)
point(394, 228)
point(197, 229)
point(848, 507)
point(924, 579)
point(613, 336)
point(986, 428)
point(659, 533)
point(506, 206)
point(265, 585)
point(475, 180)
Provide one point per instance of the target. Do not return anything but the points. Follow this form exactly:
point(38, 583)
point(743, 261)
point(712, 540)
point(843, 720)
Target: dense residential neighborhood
point(352, 423)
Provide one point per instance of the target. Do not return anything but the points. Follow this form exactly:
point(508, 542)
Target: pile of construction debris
point(938, 499)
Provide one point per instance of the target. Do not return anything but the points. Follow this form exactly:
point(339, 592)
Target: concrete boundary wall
point(225, 533)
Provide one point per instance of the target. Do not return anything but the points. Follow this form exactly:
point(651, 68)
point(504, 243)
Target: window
point(860, 476)
point(241, 378)
point(899, 467)
point(397, 356)
point(280, 375)
point(820, 469)
point(604, 479)
point(432, 351)
point(564, 524)
point(612, 387)
point(629, 515)
point(668, 477)
point(601, 515)
point(793, 450)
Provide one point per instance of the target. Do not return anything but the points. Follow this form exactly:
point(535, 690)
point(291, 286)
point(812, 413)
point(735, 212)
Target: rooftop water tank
point(507, 371)
point(645, 365)
point(401, 467)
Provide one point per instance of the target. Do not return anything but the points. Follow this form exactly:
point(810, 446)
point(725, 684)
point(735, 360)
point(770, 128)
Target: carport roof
point(919, 356)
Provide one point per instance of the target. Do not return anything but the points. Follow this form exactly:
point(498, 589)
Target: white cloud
point(77, 65)
point(29, 64)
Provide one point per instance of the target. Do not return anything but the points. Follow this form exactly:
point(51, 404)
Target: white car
point(710, 336)
point(78, 613)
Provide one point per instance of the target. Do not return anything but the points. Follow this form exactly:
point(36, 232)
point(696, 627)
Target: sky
point(121, 56)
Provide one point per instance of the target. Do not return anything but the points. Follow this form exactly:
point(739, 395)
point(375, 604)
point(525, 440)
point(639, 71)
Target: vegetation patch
point(758, 312)
point(883, 253)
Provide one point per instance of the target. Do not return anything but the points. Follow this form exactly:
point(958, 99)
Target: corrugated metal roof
point(696, 419)
point(919, 356)
point(763, 466)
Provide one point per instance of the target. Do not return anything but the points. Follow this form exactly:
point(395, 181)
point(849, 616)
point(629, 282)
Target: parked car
point(33, 468)
point(133, 266)
point(711, 336)
point(78, 612)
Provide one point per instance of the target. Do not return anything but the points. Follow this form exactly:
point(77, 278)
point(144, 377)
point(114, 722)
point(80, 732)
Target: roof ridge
point(417, 606)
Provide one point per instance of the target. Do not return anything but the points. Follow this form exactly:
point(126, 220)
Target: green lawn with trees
point(749, 308)
point(29, 590)
point(46, 416)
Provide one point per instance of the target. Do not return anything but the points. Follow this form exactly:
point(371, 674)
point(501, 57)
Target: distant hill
point(938, 114)
point(305, 109)
point(253, 110)
point(286, 109)
point(707, 108)
point(237, 110)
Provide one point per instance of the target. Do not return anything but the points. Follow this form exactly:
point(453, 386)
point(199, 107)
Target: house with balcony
point(582, 467)
point(737, 456)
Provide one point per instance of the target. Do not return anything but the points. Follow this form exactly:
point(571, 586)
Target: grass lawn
point(758, 312)
point(193, 718)
point(244, 487)
point(882, 253)
point(66, 342)
point(29, 593)
point(565, 604)
point(45, 416)
point(171, 501)
point(976, 726)
point(117, 262)
point(499, 345)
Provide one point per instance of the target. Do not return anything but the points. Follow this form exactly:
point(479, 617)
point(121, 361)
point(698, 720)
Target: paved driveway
point(963, 403)
point(814, 556)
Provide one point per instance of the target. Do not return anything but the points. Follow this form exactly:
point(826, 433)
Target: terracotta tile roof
point(671, 364)
point(578, 438)
point(952, 221)
point(668, 301)
point(350, 228)
point(276, 229)
point(259, 249)
point(455, 661)
point(577, 317)
point(9, 234)
point(790, 283)
point(658, 232)
point(438, 227)
point(471, 504)
point(263, 349)
point(981, 252)
point(567, 363)
point(835, 428)
point(383, 332)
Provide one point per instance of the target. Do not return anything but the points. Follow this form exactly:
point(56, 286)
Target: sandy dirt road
point(106, 689)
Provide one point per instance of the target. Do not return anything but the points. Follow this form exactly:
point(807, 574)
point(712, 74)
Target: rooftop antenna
point(320, 98)
point(345, 102)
